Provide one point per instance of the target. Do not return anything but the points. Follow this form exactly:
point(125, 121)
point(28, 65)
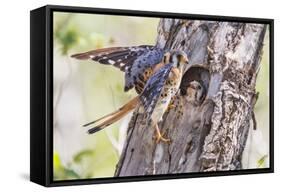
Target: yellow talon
point(171, 106)
point(159, 137)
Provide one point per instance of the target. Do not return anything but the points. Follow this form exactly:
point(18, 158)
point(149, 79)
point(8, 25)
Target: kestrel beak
point(186, 60)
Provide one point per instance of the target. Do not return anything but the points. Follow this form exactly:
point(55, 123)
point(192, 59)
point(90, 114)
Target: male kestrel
point(155, 75)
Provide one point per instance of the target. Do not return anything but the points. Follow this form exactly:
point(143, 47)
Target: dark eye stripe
point(171, 59)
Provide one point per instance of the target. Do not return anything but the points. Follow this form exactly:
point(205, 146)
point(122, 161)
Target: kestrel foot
point(210, 50)
point(160, 137)
point(171, 106)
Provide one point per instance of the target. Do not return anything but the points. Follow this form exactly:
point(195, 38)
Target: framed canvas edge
point(157, 14)
point(49, 101)
point(49, 94)
point(160, 177)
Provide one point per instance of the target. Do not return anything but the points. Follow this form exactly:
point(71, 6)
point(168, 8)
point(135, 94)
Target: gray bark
point(211, 136)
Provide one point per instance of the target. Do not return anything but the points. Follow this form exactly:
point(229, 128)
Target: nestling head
point(195, 92)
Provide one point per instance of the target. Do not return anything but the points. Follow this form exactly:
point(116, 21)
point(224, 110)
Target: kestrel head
point(178, 58)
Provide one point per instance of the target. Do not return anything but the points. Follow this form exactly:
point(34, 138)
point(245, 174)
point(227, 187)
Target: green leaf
point(79, 156)
point(56, 161)
point(69, 173)
point(261, 161)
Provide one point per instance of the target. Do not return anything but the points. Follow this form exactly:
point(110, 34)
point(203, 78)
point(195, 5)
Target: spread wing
point(137, 62)
point(153, 88)
point(120, 57)
point(142, 69)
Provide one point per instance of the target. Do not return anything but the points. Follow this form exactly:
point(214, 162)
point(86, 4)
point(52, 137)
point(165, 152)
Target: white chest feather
point(168, 91)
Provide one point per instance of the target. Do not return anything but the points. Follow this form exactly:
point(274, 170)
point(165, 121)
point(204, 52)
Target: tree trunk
point(211, 136)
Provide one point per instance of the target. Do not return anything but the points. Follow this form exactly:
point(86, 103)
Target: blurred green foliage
point(262, 86)
point(74, 33)
point(261, 162)
point(67, 38)
point(61, 172)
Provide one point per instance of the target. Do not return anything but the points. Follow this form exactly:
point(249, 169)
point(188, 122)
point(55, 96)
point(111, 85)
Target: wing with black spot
point(120, 57)
point(153, 88)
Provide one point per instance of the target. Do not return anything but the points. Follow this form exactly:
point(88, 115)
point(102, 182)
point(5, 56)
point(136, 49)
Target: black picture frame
point(41, 99)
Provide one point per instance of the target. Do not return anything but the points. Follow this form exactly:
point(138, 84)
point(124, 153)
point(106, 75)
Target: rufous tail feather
point(114, 116)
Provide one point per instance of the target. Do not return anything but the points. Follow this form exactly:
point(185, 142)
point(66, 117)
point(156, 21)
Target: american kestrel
point(138, 63)
point(156, 95)
point(161, 88)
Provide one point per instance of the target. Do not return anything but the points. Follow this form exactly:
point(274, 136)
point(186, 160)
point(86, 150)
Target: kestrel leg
point(173, 104)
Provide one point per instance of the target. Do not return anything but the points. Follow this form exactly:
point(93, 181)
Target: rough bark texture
point(211, 136)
